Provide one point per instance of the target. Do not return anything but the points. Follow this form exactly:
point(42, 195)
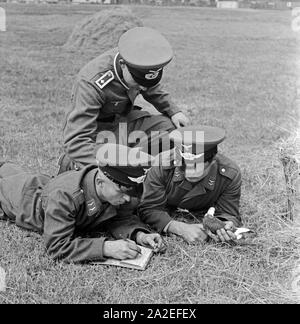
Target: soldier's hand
point(225, 234)
point(180, 120)
point(153, 240)
point(121, 249)
point(189, 232)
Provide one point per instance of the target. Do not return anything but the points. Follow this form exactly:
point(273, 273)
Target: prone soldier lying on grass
point(196, 179)
point(64, 209)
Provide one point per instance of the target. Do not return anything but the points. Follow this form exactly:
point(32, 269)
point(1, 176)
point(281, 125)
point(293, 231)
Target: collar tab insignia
point(91, 207)
point(105, 79)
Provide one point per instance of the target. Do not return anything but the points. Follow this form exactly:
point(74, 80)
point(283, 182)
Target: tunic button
point(223, 170)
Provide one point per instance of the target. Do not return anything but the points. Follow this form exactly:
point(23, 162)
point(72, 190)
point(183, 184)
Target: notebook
point(139, 263)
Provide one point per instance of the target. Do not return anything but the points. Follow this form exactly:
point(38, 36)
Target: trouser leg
point(8, 169)
point(138, 128)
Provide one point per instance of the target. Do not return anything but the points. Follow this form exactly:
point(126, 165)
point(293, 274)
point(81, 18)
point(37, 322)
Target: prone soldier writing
point(67, 208)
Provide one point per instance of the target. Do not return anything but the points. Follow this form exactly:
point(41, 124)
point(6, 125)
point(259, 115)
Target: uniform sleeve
point(153, 206)
point(59, 232)
point(227, 206)
point(126, 224)
point(80, 129)
point(161, 100)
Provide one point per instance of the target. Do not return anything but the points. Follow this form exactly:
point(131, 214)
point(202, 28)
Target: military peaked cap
point(123, 165)
point(145, 52)
point(196, 141)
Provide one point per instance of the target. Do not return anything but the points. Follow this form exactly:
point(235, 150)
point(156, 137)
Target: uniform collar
point(131, 92)
point(118, 71)
point(206, 183)
point(92, 201)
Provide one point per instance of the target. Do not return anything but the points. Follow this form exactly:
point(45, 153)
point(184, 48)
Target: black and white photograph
point(149, 155)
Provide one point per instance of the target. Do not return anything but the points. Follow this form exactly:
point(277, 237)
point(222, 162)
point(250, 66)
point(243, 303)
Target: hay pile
point(101, 31)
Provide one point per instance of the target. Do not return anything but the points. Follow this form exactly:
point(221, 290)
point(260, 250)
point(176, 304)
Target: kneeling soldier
point(196, 179)
point(105, 91)
point(64, 209)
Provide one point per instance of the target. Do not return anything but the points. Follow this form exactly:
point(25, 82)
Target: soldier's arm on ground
point(153, 207)
point(80, 130)
point(161, 100)
point(126, 224)
point(227, 205)
point(59, 232)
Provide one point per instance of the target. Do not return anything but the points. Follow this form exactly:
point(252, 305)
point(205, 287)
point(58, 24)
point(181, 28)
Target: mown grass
point(234, 69)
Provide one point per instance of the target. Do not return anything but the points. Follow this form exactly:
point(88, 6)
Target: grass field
point(234, 69)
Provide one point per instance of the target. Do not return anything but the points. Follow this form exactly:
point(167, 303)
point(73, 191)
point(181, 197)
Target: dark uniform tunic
point(166, 188)
point(101, 100)
point(62, 209)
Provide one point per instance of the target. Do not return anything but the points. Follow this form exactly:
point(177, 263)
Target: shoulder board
point(227, 171)
point(105, 79)
point(227, 167)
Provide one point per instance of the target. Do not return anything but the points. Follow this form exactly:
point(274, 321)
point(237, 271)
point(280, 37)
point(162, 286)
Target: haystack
point(101, 32)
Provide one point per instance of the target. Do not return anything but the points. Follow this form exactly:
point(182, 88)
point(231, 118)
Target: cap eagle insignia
point(187, 155)
point(191, 156)
point(152, 74)
point(139, 179)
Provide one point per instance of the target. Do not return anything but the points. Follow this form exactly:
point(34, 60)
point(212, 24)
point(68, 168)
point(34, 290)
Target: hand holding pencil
point(121, 249)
